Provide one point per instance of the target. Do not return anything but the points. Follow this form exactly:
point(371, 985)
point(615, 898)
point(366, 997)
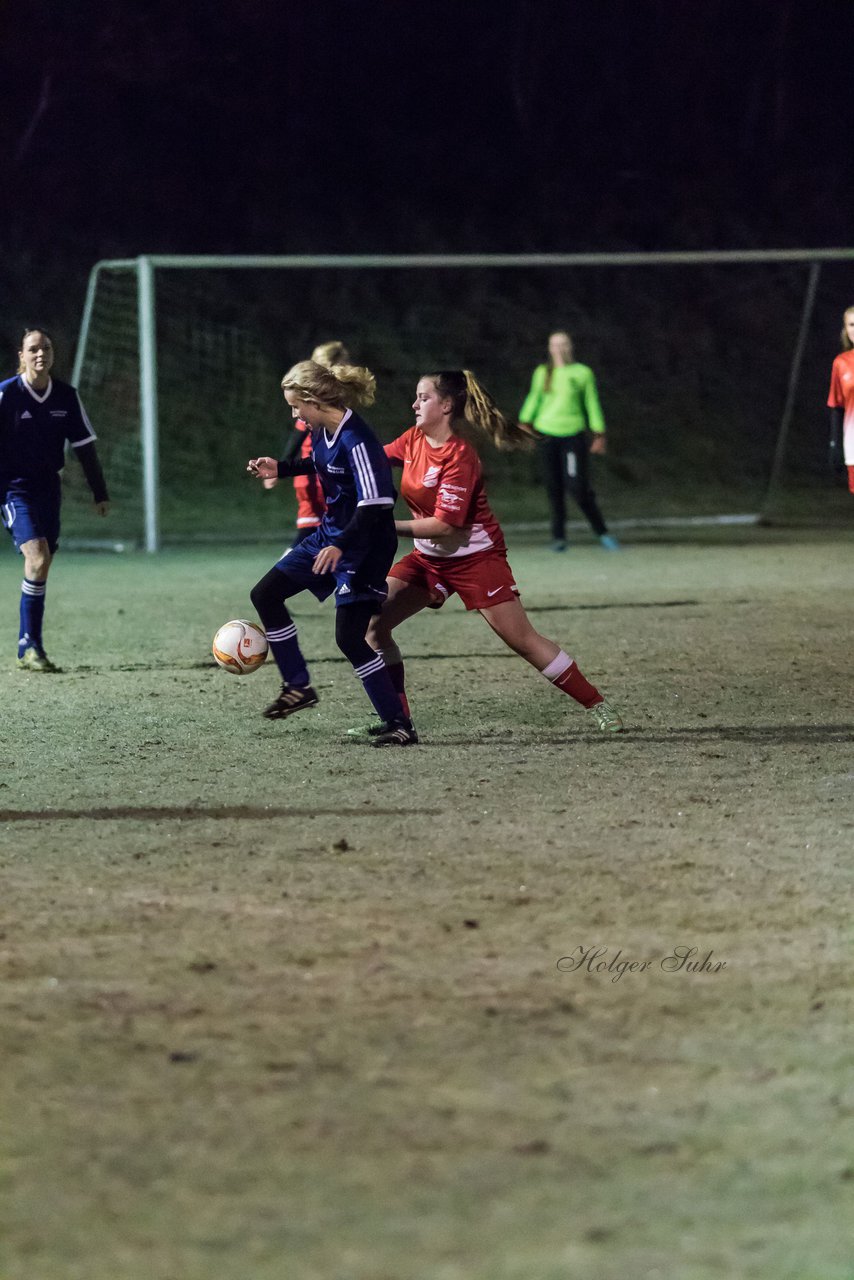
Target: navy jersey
point(353, 471)
point(34, 426)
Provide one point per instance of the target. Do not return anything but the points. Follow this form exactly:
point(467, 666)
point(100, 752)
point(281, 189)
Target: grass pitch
point(276, 1004)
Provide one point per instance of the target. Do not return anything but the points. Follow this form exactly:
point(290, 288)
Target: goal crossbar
point(697, 257)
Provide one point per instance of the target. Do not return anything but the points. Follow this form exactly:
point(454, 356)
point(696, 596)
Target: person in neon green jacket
point(562, 408)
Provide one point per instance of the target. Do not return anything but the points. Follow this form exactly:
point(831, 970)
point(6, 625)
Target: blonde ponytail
point(330, 353)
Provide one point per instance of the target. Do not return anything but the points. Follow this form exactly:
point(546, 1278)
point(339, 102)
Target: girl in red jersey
point(459, 545)
point(841, 401)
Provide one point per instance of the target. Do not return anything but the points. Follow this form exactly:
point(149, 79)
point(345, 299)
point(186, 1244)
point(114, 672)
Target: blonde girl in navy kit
point(348, 555)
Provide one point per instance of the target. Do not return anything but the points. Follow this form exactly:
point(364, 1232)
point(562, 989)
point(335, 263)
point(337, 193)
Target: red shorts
point(310, 503)
point(480, 580)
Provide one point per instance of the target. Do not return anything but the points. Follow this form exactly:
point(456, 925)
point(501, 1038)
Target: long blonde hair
point(475, 406)
point(847, 344)
point(338, 386)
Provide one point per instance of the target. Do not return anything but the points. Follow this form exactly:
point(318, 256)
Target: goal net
point(712, 370)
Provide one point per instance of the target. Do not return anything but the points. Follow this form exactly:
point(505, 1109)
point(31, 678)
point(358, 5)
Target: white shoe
point(606, 718)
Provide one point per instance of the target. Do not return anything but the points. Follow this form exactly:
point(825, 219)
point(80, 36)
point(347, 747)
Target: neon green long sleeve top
point(570, 405)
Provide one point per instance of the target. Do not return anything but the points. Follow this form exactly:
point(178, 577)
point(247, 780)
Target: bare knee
point(37, 559)
point(538, 650)
point(528, 647)
point(378, 634)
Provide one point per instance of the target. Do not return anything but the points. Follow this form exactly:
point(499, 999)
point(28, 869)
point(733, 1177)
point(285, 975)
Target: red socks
point(565, 675)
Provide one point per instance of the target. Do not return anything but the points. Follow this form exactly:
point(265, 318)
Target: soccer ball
point(240, 647)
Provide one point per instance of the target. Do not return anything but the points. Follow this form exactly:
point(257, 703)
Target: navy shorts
point(30, 511)
point(354, 580)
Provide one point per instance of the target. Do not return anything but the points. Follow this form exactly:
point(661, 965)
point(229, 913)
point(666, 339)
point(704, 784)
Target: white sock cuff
point(557, 666)
point(371, 667)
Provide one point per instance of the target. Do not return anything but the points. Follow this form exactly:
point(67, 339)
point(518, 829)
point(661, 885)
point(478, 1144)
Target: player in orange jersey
point(311, 503)
point(841, 401)
point(459, 546)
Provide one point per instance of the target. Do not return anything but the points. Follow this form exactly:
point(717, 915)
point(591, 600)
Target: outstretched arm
point(292, 447)
point(269, 468)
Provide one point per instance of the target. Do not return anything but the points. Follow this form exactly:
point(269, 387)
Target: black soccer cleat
point(400, 733)
point(289, 701)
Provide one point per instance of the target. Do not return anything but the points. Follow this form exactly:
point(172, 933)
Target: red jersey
point(842, 397)
point(446, 481)
point(309, 494)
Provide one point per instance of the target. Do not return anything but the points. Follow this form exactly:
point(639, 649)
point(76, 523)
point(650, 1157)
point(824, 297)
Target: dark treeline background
point(300, 125)
point(277, 126)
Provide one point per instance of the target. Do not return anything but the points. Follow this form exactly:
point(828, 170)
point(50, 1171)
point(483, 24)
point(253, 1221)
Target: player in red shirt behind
point(459, 545)
point(841, 401)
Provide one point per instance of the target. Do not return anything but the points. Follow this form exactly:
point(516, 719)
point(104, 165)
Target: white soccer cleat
point(606, 718)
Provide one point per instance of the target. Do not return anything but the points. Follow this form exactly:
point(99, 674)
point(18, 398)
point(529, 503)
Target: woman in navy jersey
point(38, 415)
point(351, 551)
point(459, 545)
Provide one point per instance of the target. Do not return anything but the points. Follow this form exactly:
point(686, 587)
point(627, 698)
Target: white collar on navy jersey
point(330, 443)
point(34, 393)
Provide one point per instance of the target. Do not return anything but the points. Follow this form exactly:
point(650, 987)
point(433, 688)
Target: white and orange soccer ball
point(240, 646)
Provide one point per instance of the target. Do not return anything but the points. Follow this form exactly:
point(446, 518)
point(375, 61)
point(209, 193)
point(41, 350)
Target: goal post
point(179, 358)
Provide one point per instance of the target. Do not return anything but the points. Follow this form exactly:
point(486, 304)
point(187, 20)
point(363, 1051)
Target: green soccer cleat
point(33, 659)
point(365, 731)
point(607, 720)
